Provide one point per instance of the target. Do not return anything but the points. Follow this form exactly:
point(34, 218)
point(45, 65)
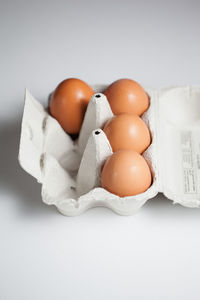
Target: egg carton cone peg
point(97, 150)
point(97, 114)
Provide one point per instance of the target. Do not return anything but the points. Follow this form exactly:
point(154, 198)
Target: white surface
point(152, 255)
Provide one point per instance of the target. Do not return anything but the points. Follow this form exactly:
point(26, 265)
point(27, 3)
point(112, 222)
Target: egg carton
point(69, 171)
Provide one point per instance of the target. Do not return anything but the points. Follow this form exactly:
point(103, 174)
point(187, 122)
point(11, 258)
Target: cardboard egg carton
point(69, 171)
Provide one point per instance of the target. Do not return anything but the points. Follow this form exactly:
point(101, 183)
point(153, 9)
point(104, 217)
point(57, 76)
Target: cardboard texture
point(69, 171)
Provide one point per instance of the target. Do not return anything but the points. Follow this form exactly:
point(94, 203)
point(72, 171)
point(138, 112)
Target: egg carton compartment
point(69, 171)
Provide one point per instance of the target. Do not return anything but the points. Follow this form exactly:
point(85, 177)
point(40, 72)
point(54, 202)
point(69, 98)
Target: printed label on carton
point(190, 148)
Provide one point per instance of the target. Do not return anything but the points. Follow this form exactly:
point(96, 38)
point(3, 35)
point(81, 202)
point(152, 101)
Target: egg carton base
point(59, 163)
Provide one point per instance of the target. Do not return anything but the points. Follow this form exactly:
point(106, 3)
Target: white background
point(99, 255)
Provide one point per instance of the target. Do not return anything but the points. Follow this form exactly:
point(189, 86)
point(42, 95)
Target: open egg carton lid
point(69, 171)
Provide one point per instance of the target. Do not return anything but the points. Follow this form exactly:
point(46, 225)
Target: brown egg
point(126, 173)
point(68, 103)
point(127, 132)
point(127, 96)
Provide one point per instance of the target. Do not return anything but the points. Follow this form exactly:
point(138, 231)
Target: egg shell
point(127, 96)
point(127, 132)
point(68, 104)
point(48, 154)
point(126, 173)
